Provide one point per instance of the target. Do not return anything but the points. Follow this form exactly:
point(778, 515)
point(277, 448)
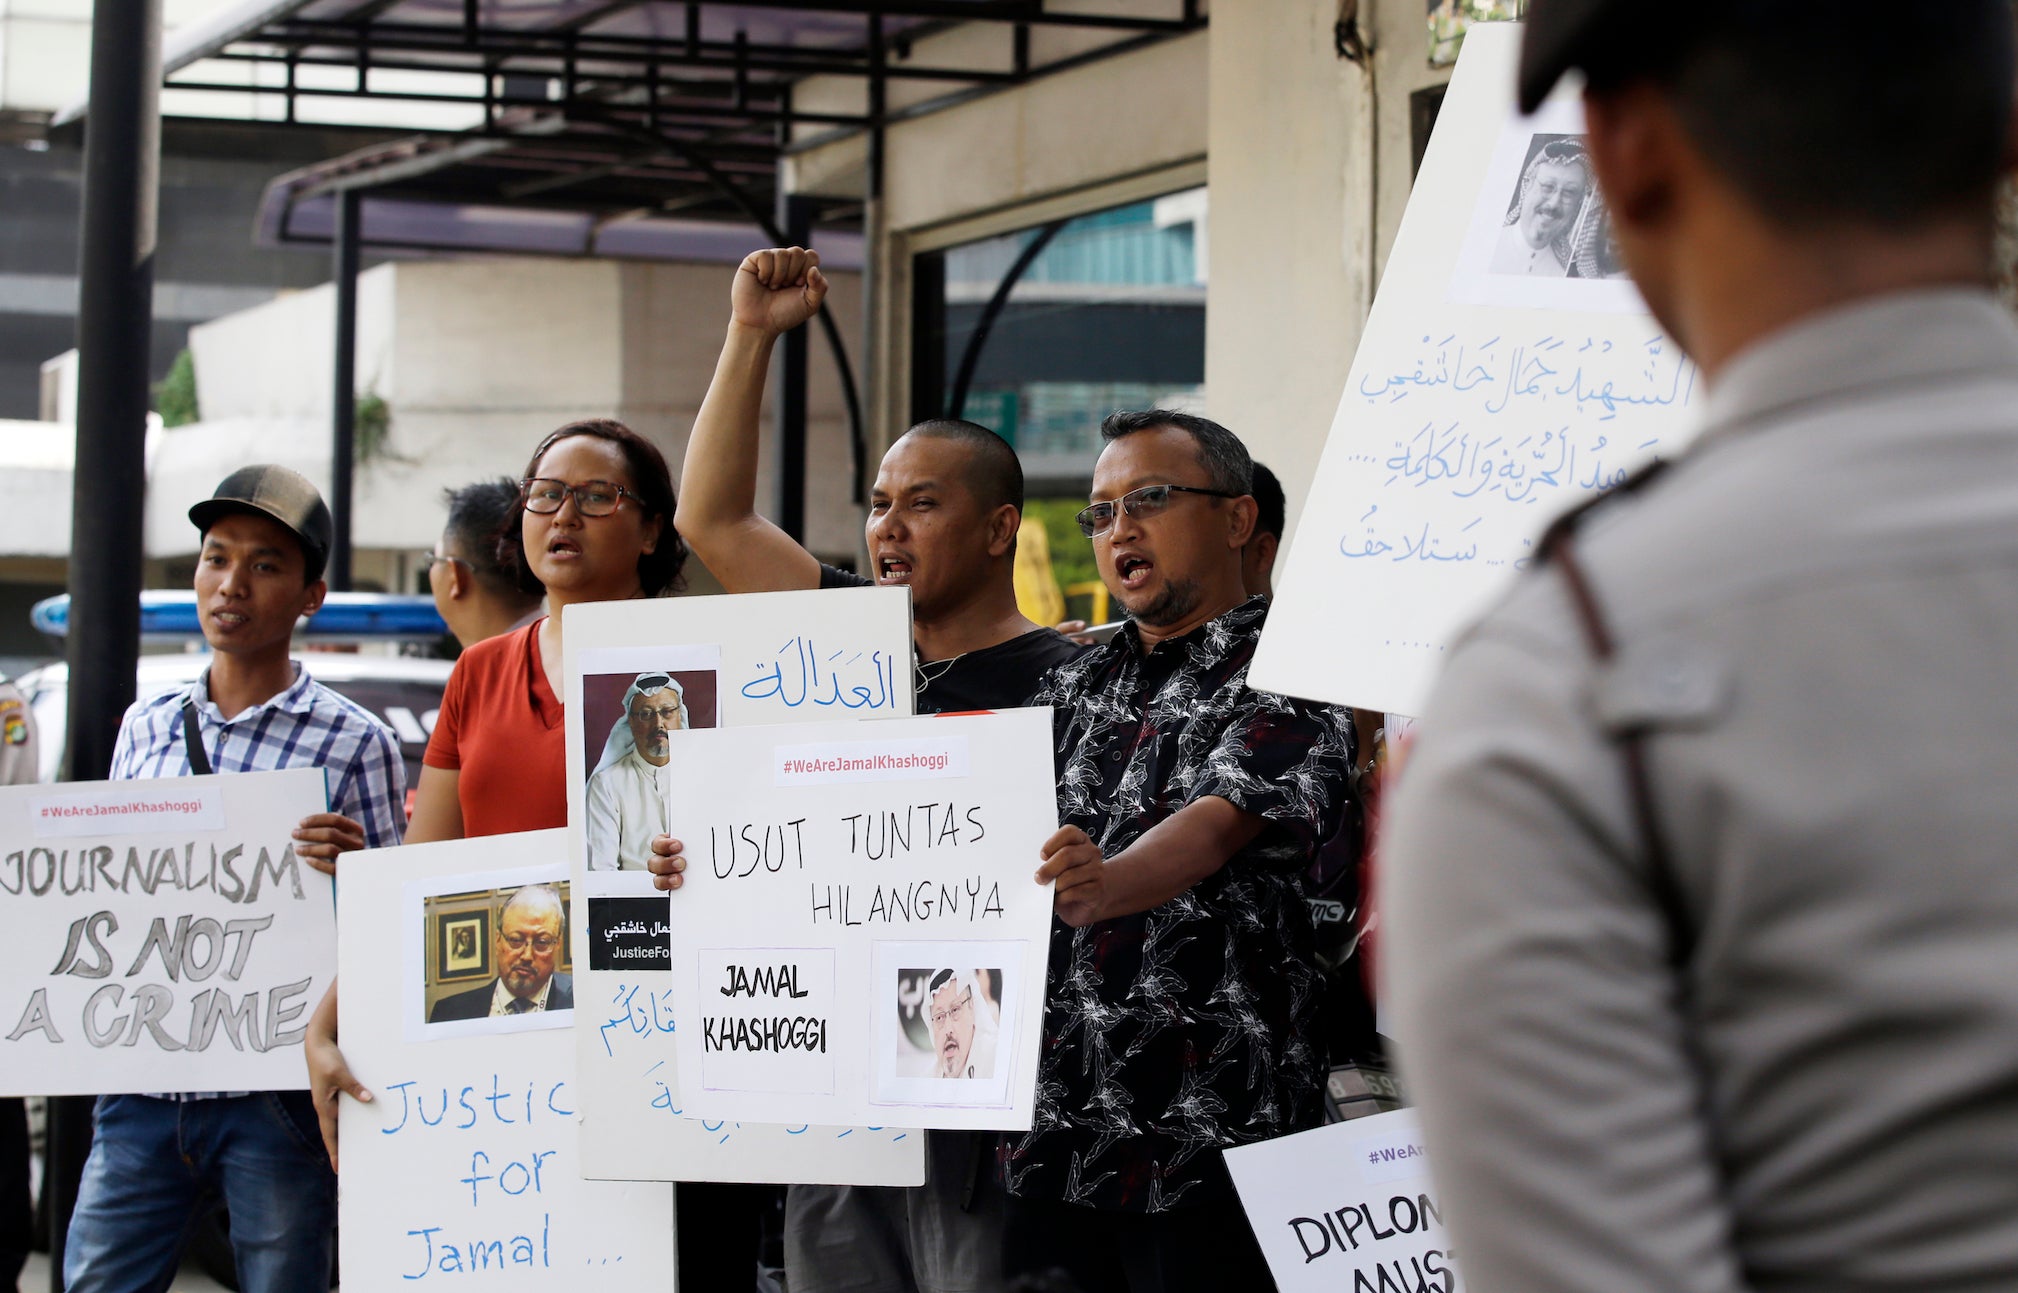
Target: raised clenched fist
point(778, 289)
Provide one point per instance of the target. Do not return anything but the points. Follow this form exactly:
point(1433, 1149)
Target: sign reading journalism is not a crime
point(161, 935)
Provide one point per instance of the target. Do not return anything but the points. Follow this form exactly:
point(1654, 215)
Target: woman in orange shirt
point(595, 525)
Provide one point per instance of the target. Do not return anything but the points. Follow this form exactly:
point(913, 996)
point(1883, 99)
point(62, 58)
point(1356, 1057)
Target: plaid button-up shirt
point(305, 726)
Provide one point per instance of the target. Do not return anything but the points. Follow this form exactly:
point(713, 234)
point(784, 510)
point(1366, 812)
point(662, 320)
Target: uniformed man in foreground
point(1703, 880)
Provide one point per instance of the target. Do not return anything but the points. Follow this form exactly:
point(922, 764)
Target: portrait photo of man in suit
point(526, 948)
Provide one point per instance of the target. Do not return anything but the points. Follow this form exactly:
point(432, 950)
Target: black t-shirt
point(1002, 676)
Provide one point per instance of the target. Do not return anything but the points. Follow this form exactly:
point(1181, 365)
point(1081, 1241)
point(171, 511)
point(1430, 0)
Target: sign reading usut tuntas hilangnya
point(1348, 1208)
point(859, 938)
point(160, 936)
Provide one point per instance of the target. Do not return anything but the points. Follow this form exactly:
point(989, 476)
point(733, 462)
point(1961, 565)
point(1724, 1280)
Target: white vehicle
point(404, 691)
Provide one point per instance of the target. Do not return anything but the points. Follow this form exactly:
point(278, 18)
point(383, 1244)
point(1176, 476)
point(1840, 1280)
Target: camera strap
point(192, 740)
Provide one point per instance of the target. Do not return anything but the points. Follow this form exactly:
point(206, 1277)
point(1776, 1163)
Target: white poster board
point(760, 658)
point(160, 935)
point(859, 937)
point(468, 1161)
point(1348, 1207)
point(1484, 400)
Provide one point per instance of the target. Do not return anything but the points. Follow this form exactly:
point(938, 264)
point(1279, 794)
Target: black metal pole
point(877, 358)
point(343, 388)
point(122, 158)
point(963, 377)
point(795, 220)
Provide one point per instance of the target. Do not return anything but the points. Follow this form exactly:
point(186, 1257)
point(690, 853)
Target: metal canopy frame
point(685, 66)
point(627, 108)
point(632, 115)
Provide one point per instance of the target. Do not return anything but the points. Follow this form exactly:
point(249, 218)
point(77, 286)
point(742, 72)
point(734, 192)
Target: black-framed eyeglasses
point(545, 496)
point(1150, 500)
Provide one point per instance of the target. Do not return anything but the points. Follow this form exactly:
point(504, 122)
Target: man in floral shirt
point(1181, 1012)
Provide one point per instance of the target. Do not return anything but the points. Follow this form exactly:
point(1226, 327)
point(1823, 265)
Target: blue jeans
point(155, 1162)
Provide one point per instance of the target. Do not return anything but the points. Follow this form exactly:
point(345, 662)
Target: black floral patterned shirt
point(1172, 1034)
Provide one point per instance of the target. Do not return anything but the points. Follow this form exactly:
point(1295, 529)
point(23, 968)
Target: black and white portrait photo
point(1539, 234)
point(1555, 223)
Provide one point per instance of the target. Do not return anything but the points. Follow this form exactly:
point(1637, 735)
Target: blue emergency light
point(169, 615)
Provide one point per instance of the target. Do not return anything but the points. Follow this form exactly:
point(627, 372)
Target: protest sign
point(469, 1159)
point(859, 937)
point(657, 672)
point(1508, 371)
point(160, 935)
point(1348, 1208)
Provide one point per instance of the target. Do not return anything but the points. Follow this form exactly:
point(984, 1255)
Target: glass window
point(1041, 333)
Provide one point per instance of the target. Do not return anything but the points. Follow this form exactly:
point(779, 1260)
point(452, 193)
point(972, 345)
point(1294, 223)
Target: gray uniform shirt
point(1817, 614)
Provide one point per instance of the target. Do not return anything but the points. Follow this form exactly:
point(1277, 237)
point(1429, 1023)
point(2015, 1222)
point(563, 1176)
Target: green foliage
point(175, 394)
point(374, 426)
point(1071, 551)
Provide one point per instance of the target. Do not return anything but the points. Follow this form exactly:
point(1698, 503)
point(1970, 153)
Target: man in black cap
point(155, 1159)
point(1702, 915)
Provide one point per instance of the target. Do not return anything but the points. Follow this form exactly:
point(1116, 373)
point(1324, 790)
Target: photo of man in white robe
point(626, 807)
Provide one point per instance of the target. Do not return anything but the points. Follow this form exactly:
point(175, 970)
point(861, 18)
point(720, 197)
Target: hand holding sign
point(1074, 864)
point(322, 836)
point(669, 861)
point(329, 1077)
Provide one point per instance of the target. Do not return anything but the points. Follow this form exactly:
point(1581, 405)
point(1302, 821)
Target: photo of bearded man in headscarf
point(965, 1024)
point(626, 806)
point(1554, 225)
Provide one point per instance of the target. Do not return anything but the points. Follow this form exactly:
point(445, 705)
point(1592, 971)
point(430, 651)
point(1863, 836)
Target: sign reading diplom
point(456, 1002)
point(160, 935)
point(859, 937)
point(1348, 1208)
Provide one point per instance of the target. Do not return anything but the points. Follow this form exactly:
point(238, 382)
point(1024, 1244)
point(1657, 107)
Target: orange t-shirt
point(500, 729)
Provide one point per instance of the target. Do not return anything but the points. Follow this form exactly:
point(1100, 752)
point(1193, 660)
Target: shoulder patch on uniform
point(1662, 683)
point(16, 730)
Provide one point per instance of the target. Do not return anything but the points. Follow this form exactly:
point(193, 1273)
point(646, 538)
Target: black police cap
point(1606, 35)
point(1562, 34)
point(283, 495)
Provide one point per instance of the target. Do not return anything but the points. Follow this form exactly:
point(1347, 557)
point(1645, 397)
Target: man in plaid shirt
point(154, 1159)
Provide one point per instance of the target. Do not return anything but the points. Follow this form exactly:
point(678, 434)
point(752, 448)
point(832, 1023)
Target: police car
point(404, 691)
